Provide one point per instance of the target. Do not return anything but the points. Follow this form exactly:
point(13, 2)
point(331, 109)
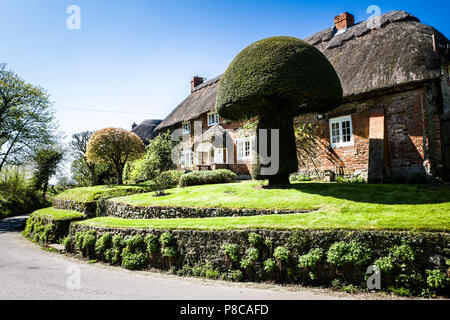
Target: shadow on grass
point(379, 193)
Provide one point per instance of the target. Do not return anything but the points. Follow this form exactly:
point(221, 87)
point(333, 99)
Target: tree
point(46, 163)
point(276, 79)
point(158, 158)
point(26, 118)
point(79, 144)
point(103, 172)
point(114, 146)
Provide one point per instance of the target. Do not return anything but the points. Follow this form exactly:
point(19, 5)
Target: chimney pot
point(344, 20)
point(195, 81)
point(134, 125)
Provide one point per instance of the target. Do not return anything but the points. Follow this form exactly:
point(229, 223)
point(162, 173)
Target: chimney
point(134, 125)
point(195, 81)
point(343, 21)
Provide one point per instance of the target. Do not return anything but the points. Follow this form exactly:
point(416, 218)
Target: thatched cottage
point(394, 120)
point(146, 129)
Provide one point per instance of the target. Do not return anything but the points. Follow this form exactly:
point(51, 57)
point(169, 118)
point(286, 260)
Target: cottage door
point(218, 155)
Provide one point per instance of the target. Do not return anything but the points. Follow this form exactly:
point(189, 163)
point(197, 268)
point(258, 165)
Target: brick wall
point(397, 121)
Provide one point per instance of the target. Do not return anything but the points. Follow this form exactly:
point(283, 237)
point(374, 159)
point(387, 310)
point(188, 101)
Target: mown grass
point(343, 206)
point(58, 214)
point(89, 194)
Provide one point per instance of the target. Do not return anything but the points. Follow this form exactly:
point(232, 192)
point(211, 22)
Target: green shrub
point(88, 245)
point(350, 180)
point(255, 239)
point(207, 177)
point(402, 253)
point(169, 252)
point(210, 271)
point(79, 240)
point(113, 255)
point(437, 280)
point(136, 243)
point(236, 275)
point(118, 242)
point(281, 254)
point(311, 259)
point(134, 260)
point(250, 258)
point(299, 177)
point(269, 265)
point(345, 254)
point(173, 177)
point(385, 264)
point(167, 239)
point(103, 243)
point(231, 251)
point(152, 243)
point(134, 255)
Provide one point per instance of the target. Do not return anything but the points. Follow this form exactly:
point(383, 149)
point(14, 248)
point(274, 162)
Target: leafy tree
point(103, 172)
point(79, 144)
point(156, 160)
point(114, 146)
point(276, 79)
point(46, 163)
point(26, 118)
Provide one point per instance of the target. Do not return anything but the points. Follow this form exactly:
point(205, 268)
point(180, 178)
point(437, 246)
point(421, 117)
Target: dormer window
point(213, 118)
point(186, 127)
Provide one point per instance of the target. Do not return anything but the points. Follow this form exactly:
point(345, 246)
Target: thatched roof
point(201, 100)
point(146, 130)
point(366, 60)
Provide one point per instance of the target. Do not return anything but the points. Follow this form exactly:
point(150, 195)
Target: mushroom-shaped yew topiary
point(114, 146)
point(276, 79)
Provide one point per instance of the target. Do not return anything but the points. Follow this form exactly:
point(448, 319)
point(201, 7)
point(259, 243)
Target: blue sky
point(136, 57)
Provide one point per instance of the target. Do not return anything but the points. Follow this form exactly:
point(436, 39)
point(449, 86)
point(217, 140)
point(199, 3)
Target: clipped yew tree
point(274, 80)
point(114, 146)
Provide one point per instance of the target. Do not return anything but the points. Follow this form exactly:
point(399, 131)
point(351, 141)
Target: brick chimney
point(195, 81)
point(344, 20)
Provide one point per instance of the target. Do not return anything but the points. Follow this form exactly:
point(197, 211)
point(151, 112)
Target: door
point(218, 155)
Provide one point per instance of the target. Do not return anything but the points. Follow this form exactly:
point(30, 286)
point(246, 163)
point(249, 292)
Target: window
point(213, 118)
point(186, 127)
point(186, 158)
point(244, 148)
point(341, 133)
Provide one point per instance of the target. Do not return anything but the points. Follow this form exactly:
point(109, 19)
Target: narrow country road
point(28, 272)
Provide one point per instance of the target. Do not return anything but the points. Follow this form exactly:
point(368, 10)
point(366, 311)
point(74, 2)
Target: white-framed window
point(186, 126)
point(186, 158)
point(341, 131)
point(213, 118)
point(244, 148)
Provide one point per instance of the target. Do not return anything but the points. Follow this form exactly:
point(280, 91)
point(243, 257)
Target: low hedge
point(50, 225)
point(89, 200)
point(207, 177)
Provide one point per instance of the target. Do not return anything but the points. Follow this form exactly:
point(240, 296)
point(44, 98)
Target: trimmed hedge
point(207, 177)
point(50, 225)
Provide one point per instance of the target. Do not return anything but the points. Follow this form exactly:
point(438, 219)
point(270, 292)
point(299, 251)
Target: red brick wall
point(402, 127)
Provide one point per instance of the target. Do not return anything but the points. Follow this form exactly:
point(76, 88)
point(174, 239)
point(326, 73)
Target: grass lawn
point(89, 194)
point(57, 214)
point(346, 206)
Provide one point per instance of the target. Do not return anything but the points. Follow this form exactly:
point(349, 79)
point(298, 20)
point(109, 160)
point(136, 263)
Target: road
point(28, 272)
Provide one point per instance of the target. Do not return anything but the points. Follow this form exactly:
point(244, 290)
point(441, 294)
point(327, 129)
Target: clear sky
point(135, 58)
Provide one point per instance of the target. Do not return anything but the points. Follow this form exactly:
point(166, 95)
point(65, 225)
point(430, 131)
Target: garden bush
point(231, 251)
point(134, 254)
point(103, 243)
point(207, 177)
point(348, 254)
